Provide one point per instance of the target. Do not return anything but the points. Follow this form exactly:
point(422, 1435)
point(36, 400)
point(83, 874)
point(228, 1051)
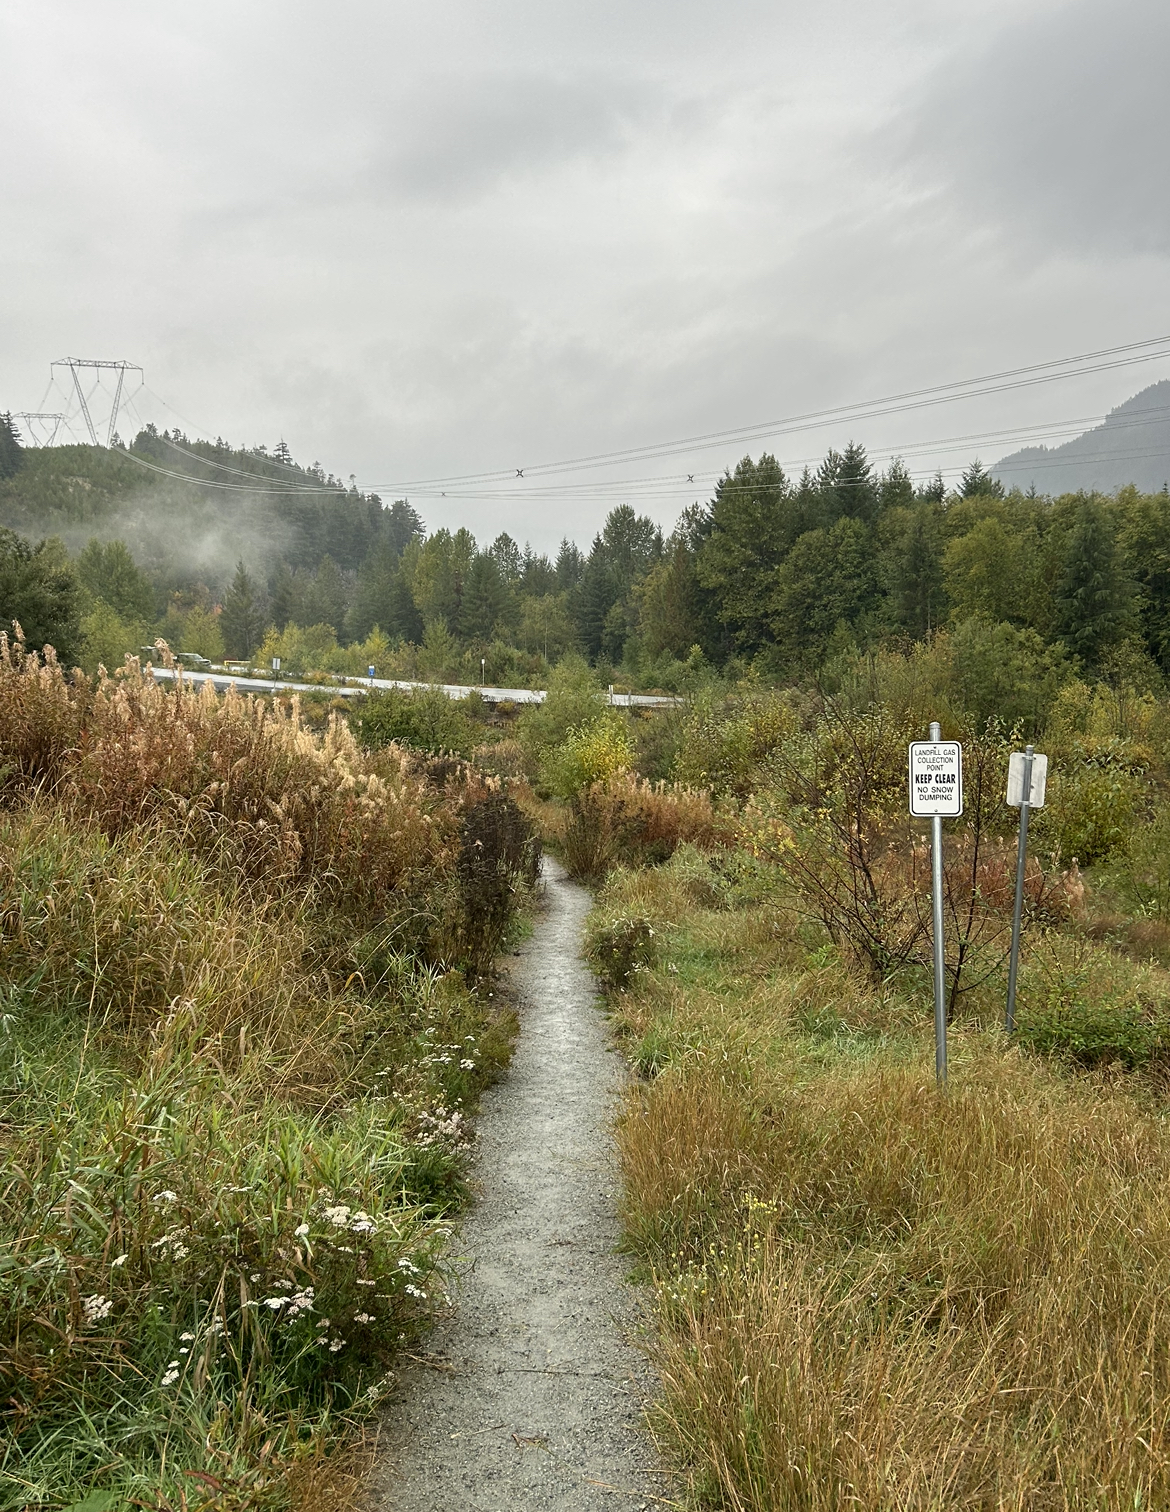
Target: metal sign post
point(936, 793)
point(1027, 774)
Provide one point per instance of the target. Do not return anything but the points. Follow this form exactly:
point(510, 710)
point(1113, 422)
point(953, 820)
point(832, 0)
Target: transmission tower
point(37, 420)
point(75, 364)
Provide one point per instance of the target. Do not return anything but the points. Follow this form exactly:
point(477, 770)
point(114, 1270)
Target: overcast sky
point(428, 240)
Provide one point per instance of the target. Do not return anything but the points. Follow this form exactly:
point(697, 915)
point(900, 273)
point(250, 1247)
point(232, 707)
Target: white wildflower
point(300, 1302)
point(337, 1216)
point(415, 1291)
point(362, 1223)
point(121, 1260)
point(301, 1231)
point(180, 1252)
point(276, 1303)
point(186, 1338)
point(164, 1197)
point(363, 1317)
point(172, 1373)
point(467, 1065)
point(96, 1308)
point(335, 1345)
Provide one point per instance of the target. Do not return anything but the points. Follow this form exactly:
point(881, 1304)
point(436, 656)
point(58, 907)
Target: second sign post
point(936, 793)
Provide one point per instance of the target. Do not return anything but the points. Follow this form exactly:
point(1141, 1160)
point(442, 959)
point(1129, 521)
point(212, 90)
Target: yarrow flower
point(96, 1308)
point(301, 1231)
point(172, 1373)
point(338, 1216)
point(164, 1197)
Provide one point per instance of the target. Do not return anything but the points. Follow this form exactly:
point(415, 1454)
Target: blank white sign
point(1015, 794)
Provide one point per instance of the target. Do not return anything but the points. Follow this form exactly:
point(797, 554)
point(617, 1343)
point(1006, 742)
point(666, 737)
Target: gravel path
point(533, 1395)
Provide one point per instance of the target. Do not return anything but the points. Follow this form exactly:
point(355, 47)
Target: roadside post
point(371, 672)
point(276, 664)
point(936, 793)
point(1027, 775)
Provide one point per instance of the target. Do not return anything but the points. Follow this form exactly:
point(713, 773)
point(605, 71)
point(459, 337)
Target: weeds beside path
point(872, 1294)
point(530, 1396)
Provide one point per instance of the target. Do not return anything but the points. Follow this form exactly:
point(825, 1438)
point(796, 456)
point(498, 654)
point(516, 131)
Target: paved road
point(538, 1399)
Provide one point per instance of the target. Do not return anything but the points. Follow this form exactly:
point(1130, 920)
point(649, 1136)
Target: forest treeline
point(773, 573)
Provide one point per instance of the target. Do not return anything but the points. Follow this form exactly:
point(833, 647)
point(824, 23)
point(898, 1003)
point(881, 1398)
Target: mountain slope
point(1132, 446)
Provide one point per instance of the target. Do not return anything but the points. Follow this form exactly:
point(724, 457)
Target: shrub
point(424, 718)
point(631, 820)
point(589, 754)
point(618, 946)
point(499, 857)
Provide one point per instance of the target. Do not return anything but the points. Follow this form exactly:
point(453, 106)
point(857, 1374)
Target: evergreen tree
point(913, 571)
point(401, 524)
point(539, 576)
point(242, 619)
point(39, 592)
point(485, 594)
point(405, 621)
point(978, 481)
point(752, 527)
point(328, 598)
point(109, 572)
point(896, 489)
point(851, 492)
point(1145, 542)
point(596, 597)
point(570, 566)
point(1094, 598)
point(285, 599)
point(11, 451)
point(508, 558)
point(631, 544)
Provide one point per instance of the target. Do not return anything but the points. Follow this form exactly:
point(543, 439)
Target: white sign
point(936, 779)
point(276, 663)
point(1015, 794)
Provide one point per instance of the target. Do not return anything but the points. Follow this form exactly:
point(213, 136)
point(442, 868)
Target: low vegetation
point(873, 1293)
point(245, 1017)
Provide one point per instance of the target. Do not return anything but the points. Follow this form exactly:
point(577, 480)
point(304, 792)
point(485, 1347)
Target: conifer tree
point(1094, 598)
point(11, 451)
point(242, 619)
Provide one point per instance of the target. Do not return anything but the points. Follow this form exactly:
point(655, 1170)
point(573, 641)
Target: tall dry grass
point(235, 1078)
point(874, 1294)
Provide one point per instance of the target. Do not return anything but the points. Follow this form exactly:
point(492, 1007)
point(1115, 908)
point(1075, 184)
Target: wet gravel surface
point(532, 1393)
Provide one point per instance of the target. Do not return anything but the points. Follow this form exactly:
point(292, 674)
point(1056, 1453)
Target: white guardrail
point(353, 687)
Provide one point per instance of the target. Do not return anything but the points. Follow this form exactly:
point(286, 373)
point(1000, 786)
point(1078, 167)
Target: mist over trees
point(250, 556)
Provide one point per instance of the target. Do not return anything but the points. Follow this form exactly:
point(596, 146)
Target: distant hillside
point(191, 509)
point(1133, 446)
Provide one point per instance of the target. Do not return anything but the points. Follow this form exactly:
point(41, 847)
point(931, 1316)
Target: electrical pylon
point(36, 418)
point(121, 368)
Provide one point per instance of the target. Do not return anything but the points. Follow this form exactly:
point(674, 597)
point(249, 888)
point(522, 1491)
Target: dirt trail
point(534, 1394)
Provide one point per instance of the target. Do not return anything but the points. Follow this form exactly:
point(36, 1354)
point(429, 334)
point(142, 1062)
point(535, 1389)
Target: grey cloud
point(1057, 131)
point(459, 139)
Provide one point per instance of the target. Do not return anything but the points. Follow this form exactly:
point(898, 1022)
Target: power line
point(945, 393)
